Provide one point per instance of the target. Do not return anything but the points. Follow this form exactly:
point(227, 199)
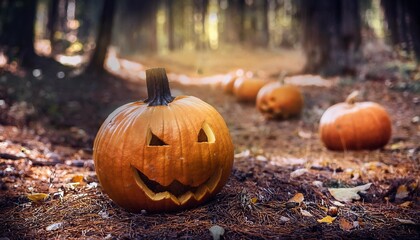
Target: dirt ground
point(48, 125)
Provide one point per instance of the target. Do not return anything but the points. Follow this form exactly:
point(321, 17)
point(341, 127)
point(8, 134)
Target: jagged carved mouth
point(178, 192)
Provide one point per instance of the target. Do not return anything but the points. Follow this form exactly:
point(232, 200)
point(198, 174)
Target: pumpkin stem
point(282, 77)
point(158, 91)
point(351, 99)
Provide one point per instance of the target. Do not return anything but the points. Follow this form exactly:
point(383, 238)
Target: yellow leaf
point(77, 178)
point(37, 197)
point(298, 198)
point(25, 150)
point(397, 145)
point(327, 219)
point(254, 200)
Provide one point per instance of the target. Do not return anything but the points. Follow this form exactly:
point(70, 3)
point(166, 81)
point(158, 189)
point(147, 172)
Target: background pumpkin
point(164, 153)
point(246, 89)
point(355, 125)
point(228, 82)
point(276, 100)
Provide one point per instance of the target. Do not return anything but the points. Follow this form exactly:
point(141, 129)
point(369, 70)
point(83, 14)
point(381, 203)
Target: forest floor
point(49, 118)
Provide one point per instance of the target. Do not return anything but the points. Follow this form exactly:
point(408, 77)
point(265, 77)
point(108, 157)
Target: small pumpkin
point(246, 89)
point(164, 153)
point(227, 83)
point(355, 125)
point(278, 101)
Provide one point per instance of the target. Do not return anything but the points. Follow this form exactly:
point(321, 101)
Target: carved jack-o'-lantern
point(278, 101)
point(164, 153)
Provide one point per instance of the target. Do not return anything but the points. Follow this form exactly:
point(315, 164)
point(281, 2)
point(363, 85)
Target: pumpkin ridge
point(200, 109)
point(116, 137)
point(211, 160)
point(378, 122)
point(171, 110)
point(191, 123)
point(128, 124)
point(223, 145)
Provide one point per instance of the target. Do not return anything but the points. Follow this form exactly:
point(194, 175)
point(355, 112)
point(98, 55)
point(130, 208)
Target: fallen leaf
point(92, 185)
point(348, 194)
point(77, 179)
point(284, 219)
point(59, 194)
point(374, 165)
point(355, 174)
point(345, 225)
point(398, 145)
point(54, 226)
point(406, 204)
point(298, 172)
point(254, 200)
point(304, 135)
point(402, 192)
point(71, 186)
point(305, 213)
point(318, 184)
point(243, 154)
point(216, 232)
point(261, 158)
point(282, 161)
point(38, 197)
point(405, 221)
point(338, 204)
point(298, 198)
point(327, 219)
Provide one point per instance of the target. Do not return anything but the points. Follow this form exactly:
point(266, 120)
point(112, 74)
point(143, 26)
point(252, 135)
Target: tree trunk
point(52, 21)
point(331, 35)
point(403, 22)
point(261, 24)
point(413, 10)
point(104, 37)
point(171, 24)
point(17, 31)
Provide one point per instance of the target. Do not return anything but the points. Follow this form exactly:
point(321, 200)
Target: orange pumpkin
point(355, 125)
point(276, 100)
point(164, 153)
point(227, 83)
point(246, 89)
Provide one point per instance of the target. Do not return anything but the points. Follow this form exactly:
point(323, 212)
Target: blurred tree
point(103, 39)
point(403, 22)
point(17, 21)
point(331, 35)
point(135, 26)
point(52, 21)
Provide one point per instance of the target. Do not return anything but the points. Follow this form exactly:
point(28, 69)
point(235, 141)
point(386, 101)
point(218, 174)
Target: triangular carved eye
point(206, 134)
point(202, 137)
point(153, 140)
